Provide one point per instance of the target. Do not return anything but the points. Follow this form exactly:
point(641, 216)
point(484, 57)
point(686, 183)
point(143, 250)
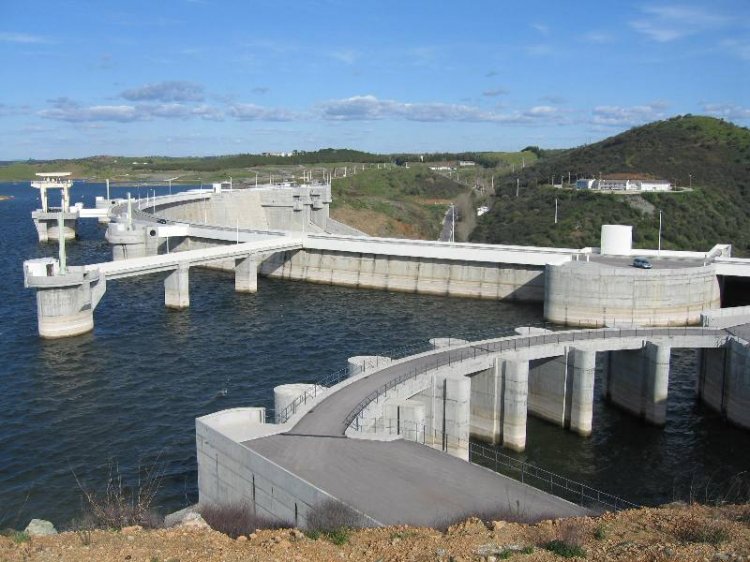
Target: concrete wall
point(548, 382)
point(593, 295)
point(230, 473)
point(724, 381)
point(426, 276)
point(274, 208)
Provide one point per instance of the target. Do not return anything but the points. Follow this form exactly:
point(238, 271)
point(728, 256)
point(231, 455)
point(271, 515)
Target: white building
point(622, 183)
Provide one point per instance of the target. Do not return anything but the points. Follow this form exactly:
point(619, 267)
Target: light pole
point(170, 180)
point(453, 223)
point(659, 247)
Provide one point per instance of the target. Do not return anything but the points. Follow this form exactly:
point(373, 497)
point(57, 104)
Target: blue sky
point(201, 77)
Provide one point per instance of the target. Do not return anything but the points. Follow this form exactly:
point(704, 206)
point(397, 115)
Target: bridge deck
point(401, 481)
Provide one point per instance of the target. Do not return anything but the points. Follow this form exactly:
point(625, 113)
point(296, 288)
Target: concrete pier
point(487, 403)
point(582, 396)
point(65, 299)
point(134, 241)
point(177, 288)
point(47, 225)
point(638, 381)
point(361, 363)
point(724, 381)
point(515, 403)
point(246, 275)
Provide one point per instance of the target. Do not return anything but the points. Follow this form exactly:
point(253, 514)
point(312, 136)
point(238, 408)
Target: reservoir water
point(127, 394)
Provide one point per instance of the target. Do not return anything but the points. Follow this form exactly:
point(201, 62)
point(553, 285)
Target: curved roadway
point(405, 482)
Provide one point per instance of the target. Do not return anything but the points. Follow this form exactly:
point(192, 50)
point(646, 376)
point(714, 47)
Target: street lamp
point(170, 180)
point(659, 250)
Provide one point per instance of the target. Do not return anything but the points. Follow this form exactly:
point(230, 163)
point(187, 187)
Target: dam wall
point(407, 274)
point(303, 208)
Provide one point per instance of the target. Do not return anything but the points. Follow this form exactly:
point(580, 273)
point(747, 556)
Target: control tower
point(47, 218)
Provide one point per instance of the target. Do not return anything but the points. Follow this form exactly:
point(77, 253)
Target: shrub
point(118, 505)
point(561, 548)
point(331, 515)
point(697, 530)
point(238, 519)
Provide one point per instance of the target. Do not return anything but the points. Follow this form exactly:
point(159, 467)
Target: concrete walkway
point(404, 482)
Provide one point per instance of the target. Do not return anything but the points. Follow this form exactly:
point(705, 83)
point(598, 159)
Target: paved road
point(658, 263)
point(404, 482)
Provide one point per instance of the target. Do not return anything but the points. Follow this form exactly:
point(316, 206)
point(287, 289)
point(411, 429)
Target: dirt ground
point(653, 534)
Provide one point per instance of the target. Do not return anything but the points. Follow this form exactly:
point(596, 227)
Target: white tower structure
point(47, 220)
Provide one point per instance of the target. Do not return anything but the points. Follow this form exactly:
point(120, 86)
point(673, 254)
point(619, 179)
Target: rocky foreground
point(671, 533)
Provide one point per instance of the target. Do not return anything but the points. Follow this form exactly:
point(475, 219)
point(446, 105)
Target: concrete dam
point(585, 287)
point(385, 418)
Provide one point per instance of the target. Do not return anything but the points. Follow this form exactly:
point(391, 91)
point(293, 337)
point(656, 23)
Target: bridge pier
point(408, 418)
point(135, 242)
point(557, 389)
point(177, 288)
point(447, 414)
point(638, 381)
point(582, 395)
point(65, 299)
point(724, 381)
point(515, 403)
point(246, 274)
point(47, 224)
point(361, 363)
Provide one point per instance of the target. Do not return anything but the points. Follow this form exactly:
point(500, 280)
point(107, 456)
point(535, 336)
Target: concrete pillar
point(582, 399)
point(515, 404)
point(362, 363)
point(246, 275)
point(738, 385)
point(177, 288)
point(656, 358)
point(65, 301)
point(549, 388)
point(136, 242)
point(711, 386)
point(638, 380)
point(444, 343)
point(487, 403)
point(407, 418)
point(456, 416)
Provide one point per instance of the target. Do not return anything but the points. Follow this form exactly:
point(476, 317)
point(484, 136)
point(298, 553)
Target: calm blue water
point(129, 392)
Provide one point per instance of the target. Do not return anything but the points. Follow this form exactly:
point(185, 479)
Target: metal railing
point(489, 457)
point(442, 358)
point(548, 481)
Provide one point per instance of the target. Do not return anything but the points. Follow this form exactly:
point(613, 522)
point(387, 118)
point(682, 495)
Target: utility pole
point(555, 210)
point(690, 181)
point(107, 189)
point(518, 183)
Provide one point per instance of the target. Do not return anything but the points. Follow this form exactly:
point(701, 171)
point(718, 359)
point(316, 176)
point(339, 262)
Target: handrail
point(514, 343)
point(490, 457)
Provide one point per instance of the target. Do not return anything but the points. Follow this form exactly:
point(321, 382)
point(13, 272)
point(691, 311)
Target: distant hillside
point(400, 202)
point(715, 153)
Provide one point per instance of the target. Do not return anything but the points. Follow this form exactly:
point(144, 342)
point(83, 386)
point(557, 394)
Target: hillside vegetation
point(715, 153)
point(400, 202)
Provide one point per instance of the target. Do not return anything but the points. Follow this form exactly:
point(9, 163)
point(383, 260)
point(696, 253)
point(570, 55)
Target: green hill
point(711, 154)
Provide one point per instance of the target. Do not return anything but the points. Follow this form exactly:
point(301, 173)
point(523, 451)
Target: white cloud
point(727, 111)
point(541, 28)
point(168, 91)
point(665, 23)
point(252, 112)
point(370, 108)
point(613, 115)
point(65, 109)
point(25, 38)
point(495, 92)
point(598, 37)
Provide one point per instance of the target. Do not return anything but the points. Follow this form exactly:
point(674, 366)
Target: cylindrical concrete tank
point(440, 343)
point(362, 363)
point(286, 394)
point(617, 239)
point(595, 295)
